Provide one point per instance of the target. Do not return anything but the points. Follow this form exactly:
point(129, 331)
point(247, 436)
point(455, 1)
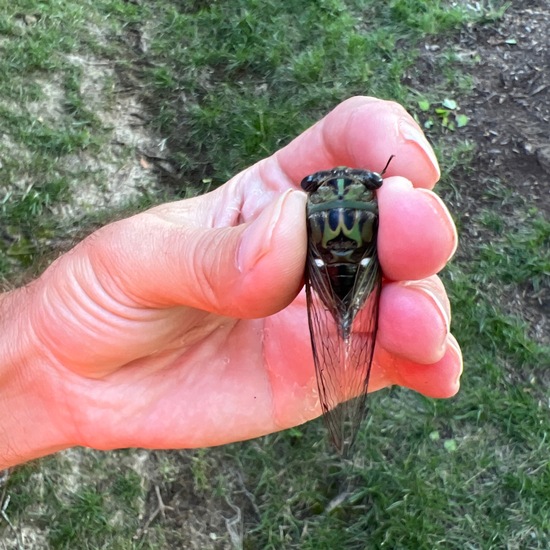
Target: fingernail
point(453, 344)
point(412, 133)
point(256, 239)
point(445, 215)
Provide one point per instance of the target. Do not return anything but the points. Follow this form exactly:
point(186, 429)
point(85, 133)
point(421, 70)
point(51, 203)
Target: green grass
point(226, 84)
point(50, 128)
point(270, 69)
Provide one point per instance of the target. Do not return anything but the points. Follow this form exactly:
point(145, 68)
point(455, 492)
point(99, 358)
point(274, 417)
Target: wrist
point(29, 426)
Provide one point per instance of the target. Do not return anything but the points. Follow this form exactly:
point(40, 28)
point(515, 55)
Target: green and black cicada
point(343, 283)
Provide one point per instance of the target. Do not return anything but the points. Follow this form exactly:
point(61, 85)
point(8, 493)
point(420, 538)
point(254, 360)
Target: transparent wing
point(342, 365)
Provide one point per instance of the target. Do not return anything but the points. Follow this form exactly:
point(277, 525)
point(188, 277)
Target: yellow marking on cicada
point(329, 233)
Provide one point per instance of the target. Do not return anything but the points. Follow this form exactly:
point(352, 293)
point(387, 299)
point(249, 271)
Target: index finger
point(362, 132)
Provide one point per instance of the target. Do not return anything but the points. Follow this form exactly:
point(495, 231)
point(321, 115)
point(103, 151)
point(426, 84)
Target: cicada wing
point(362, 341)
point(327, 348)
point(342, 365)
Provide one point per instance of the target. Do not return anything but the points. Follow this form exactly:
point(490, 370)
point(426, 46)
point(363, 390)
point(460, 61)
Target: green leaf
point(450, 445)
point(424, 105)
point(462, 120)
point(449, 104)
point(296, 432)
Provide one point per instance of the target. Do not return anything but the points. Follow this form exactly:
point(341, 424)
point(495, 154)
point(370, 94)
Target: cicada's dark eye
point(305, 183)
point(371, 180)
point(310, 183)
point(376, 180)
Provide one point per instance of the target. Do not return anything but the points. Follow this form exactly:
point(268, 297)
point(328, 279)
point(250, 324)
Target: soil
point(510, 106)
point(509, 125)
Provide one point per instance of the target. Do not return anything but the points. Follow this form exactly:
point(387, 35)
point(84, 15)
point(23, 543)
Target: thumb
point(271, 255)
point(247, 271)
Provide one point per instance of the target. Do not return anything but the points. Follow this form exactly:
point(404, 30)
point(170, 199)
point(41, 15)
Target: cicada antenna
point(387, 164)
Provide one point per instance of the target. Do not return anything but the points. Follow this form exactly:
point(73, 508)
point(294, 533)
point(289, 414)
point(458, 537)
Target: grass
point(224, 84)
point(270, 69)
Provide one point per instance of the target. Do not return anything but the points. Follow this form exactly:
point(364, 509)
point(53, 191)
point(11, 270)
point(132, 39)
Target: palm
point(149, 377)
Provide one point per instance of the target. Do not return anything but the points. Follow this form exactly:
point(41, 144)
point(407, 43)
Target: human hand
point(184, 326)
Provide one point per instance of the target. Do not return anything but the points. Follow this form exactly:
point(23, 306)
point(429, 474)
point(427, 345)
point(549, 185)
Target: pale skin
point(185, 326)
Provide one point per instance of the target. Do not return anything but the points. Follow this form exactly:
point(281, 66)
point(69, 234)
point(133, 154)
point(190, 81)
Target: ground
point(510, 125)
point(508, 173)
point(510, 106)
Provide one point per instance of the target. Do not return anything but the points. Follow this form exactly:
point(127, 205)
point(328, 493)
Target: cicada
point(343, 284)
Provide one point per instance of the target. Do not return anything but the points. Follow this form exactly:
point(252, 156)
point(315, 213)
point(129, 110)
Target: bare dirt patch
point(120, 176)
point(510, 107)
point(509, 112)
